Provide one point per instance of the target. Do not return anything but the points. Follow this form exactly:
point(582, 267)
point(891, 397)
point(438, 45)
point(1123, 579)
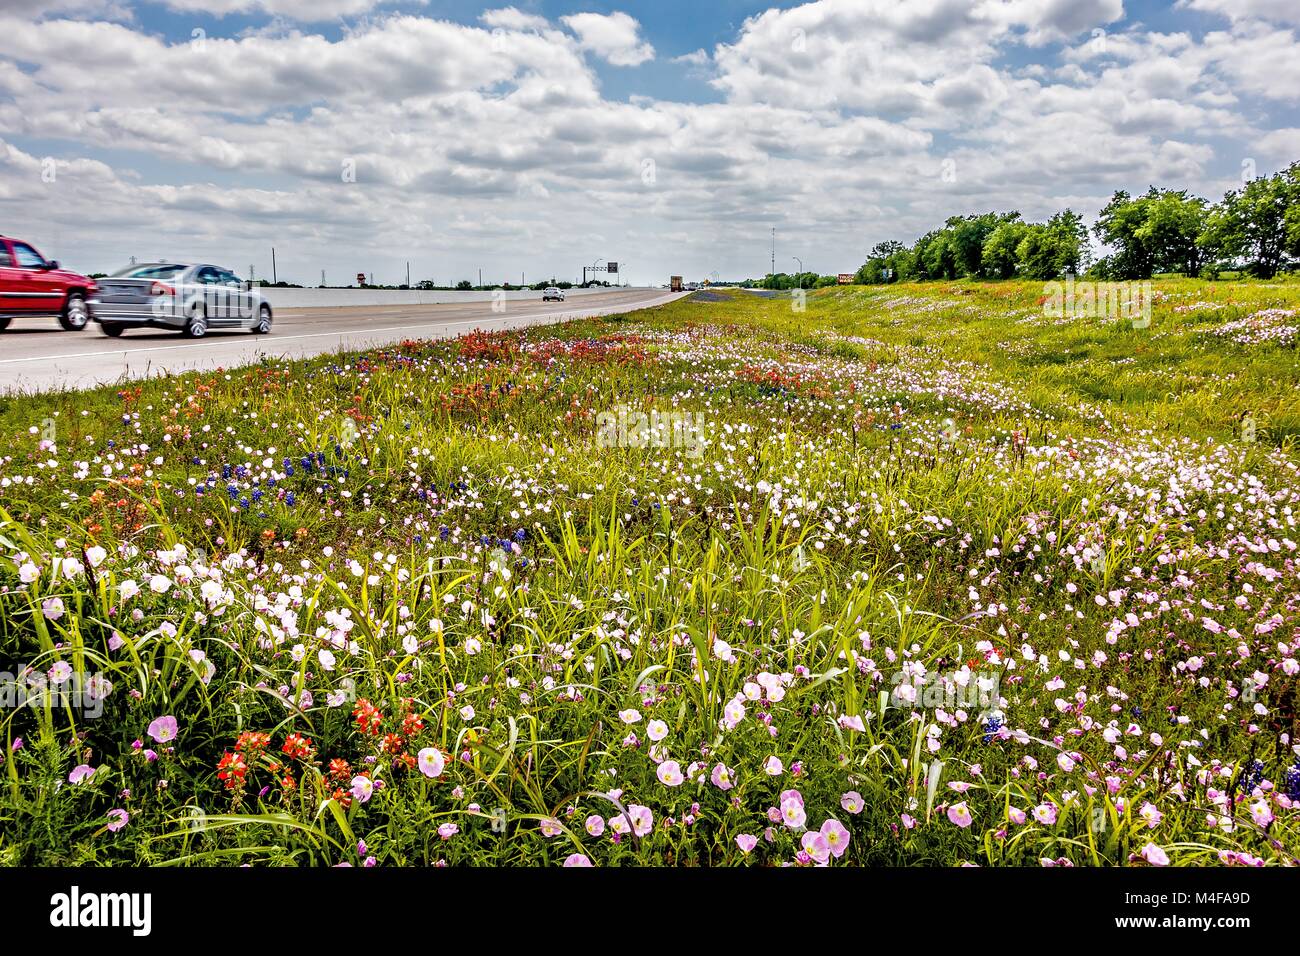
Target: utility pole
point(274, 275)
point(800, 261)
point(322, 278)
point(480, 278)
point(773, 250)
point(252, 274)
point(408, 274)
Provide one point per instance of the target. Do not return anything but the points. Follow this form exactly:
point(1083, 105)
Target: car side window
point(208, 276)
point(28, 258)
point(6, 260)
point(228, 278)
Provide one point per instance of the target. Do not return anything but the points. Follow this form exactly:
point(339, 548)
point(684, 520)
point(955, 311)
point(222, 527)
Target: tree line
point(1255, 229)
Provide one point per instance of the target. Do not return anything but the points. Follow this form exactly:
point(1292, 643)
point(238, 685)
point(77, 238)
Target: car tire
point(75, 315)
point(263, 324)
point(4, 322)
point(196, 327)
point(111, 329)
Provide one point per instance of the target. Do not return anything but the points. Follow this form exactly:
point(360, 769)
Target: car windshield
point(149, 272)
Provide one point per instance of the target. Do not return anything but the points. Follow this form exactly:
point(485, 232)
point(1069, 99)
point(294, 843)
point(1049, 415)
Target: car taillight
point(161, 288)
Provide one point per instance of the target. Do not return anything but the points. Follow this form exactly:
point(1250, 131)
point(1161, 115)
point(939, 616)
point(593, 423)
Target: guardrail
point(281, 298)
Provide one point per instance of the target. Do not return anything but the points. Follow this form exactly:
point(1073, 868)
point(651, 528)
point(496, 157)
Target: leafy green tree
point(935, 256)
point(1071, 238)
point(1257, 223)
point(1120, 225)
point(886, 262)
point(1174, 222)
point(1034, 253)
point(998, 256)
point(966, 235)
point(1054, 248)
point(1154, 232)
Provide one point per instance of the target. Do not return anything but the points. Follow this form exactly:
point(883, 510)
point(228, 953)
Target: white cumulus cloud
point(615, 37)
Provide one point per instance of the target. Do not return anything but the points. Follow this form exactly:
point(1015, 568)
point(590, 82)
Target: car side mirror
point(247, 285)
point(52, 264)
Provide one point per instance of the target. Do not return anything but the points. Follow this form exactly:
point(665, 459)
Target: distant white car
point(551, 292)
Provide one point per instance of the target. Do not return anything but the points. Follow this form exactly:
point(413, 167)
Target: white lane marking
point(312, 335)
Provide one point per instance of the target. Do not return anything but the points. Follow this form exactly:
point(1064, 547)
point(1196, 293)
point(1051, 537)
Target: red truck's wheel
point(75, 315)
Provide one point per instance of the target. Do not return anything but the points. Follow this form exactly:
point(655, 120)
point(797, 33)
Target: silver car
point(190, 298)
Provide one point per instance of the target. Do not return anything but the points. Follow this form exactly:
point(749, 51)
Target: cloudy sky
point(672, 135)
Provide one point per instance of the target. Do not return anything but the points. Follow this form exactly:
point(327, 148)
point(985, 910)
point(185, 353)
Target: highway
point(36, 355)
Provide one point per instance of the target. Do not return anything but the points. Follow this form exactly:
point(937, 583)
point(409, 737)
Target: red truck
point(31, 286)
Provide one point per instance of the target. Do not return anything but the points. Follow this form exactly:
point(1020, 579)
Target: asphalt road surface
point(36, 355)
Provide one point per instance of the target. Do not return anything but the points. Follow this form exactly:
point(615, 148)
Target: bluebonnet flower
point(1252, 775)
point(991, 728)
point(1293, 782)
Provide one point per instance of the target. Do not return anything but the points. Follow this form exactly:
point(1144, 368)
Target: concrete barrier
point(328, 298)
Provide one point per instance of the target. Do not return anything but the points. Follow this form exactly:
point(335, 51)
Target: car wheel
point(263, 326)
point(4, 322)
point(111, 329)
point(75, 314)
point(197, 326)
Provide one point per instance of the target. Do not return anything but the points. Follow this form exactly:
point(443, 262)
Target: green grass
point(929, 476)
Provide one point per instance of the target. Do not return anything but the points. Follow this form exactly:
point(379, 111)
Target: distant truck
point(675, 283)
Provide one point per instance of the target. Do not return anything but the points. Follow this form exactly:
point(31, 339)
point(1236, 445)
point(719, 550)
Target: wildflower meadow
point(917, 574)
